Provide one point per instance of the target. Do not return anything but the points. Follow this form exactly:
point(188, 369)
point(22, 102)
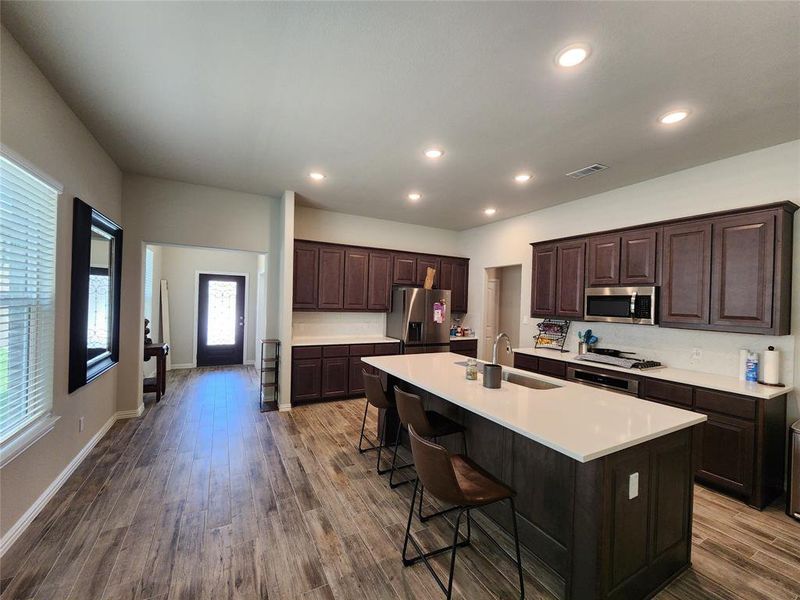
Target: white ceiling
point(253, 96)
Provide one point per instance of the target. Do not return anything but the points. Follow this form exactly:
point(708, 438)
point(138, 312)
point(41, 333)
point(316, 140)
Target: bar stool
point(456, 479)
point(427, 423)
point(373, 389)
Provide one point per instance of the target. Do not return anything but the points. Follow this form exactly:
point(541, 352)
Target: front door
point(220, 322)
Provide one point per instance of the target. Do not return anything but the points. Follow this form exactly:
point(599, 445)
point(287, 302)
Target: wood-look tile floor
point(205, 497)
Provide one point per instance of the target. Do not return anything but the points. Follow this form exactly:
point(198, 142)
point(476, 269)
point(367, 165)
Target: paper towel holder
point(778, 385)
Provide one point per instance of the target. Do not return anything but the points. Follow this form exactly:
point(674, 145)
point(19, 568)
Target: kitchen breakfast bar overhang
point(603, 480)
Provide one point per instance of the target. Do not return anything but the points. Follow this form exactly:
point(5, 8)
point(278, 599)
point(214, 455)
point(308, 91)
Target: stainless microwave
point(638, 305)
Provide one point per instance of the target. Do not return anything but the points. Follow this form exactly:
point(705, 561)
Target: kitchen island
point(604, 481)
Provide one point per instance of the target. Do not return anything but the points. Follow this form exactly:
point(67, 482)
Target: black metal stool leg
point(424, 518)
point(361, 450)
point(516, 547)
point(464, 440)
point(380, 447)
point(393, 484)
point(449, 591)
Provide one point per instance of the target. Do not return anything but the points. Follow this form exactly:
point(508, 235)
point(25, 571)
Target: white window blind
point(148, 286)
point(27, 298)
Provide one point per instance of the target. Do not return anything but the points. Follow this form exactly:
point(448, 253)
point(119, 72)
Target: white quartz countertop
point(454, 338)
point(342, 339)
point(579, 421)
point(722, 383)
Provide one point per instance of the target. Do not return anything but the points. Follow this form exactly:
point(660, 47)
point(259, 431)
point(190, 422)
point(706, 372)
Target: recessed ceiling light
point(523, 177)
point(673, 116)
point(573, 55)
point(434, 153)
point(316, 176)
point(414, 196)
point(490, 211)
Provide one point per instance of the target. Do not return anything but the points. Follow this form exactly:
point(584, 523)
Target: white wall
point(510, 304)
point(162, 211)
point(760, 177)
point(149, 367)
point(180, 265)
point(37, 125)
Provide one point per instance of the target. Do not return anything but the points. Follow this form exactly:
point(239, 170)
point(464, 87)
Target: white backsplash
point(719, 352)
point(331, 324)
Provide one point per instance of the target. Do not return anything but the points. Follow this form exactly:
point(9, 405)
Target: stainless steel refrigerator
point(420, 318)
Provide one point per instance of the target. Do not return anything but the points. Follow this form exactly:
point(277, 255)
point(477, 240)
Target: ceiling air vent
point(587, 171)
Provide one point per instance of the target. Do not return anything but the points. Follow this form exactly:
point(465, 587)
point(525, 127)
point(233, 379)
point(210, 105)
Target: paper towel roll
point(770, 367)
point(743, 364)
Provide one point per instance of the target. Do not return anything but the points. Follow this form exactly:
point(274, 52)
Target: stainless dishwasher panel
point(793, 496)
point(616, 383)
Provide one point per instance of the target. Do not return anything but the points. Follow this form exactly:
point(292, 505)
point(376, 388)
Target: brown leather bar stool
point(457, 480)
point(373, 389)
point(427, 423)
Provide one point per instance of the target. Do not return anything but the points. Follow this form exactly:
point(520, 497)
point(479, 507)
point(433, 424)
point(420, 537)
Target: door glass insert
point(221, 320)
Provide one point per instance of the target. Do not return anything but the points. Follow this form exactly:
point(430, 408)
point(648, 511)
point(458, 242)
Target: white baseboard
point(174, 366)
point(27, 518)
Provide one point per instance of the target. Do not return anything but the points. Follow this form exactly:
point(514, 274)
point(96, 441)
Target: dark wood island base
point(590, 522)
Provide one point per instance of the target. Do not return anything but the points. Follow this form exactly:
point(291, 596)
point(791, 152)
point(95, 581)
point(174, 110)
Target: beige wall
point(149, 367)
point(162, 211)
point(180, 265)
point(759, 177)
point(37, 125)
point(510, 299)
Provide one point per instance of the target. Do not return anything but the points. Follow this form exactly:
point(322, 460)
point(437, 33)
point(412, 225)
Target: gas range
point(615, 358)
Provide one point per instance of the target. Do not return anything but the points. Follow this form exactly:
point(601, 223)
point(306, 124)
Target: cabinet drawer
point(671, 393)
point(526, 361)
point(331, 351)
point(362, 350)
point(460, 345)
point(384, 349)
point(307, 352)
point(727, 404)
point(554, 368)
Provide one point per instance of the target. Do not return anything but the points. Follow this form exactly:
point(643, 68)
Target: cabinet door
point(334, 377)
point(404, 269)
point(331, 277)
point(306, 379)
point(356, 274)
point(686, 288)
point(423, 263)
point(742, 271)
point(379, 293)
point(569, 280)
point(355, 384)
point(306, 265)
point(455, 277)
point(543, 283)
point(727, 453)
point(603, 260)
point(638, 264)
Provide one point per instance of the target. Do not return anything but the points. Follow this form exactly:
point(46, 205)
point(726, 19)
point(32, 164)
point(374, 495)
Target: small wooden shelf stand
point(269, 374)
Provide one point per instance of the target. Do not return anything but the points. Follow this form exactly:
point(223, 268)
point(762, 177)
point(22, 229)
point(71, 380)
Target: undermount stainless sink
point(533, 383)
point(528, 382)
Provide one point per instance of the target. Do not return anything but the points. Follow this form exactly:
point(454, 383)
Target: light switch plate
point(633, 486)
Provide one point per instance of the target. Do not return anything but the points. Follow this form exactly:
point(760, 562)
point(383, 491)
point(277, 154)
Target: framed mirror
point(95, 298)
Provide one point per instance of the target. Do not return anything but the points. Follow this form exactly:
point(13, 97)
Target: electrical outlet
point(80, 425)
point(633, 486)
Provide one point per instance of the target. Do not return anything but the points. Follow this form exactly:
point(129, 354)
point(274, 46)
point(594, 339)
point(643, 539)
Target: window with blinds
point(27, 298)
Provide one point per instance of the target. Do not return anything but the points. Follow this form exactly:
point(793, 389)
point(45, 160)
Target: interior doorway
point(502, 296)
point(220, 319)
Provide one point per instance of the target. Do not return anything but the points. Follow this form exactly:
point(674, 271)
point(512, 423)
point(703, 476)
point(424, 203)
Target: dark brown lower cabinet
point(741, 448)
point(332, 372)
point(465, 347)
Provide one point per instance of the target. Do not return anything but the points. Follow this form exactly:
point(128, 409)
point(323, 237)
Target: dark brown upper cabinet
point(639, 257)
point(306, 271)
point(356, 275)
point(543, 286)
point(379, 293)
point(570, 279)
point(742, 271)
point(404, 269)
point(454, 276)
point(602, 257)
point(423, 263)
point(331, 277)
point(686, 290)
